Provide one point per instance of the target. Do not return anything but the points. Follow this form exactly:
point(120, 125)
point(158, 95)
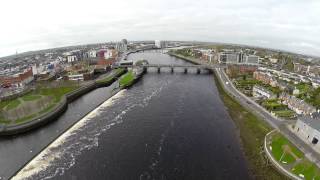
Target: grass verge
point(126, 79)
point(109, 78)
point(279, 145)
point(252, 134)
point(307, 170)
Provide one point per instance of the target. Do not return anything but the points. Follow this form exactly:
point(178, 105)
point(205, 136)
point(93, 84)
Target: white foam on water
point(61, 155)
point(42, 161)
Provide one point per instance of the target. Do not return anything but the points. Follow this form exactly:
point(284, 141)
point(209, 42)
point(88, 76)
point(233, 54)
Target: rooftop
point(312, 120)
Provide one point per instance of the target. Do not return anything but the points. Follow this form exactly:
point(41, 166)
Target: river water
point(167, 126)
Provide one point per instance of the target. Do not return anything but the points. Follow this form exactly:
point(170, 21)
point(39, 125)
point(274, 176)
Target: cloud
point(40, 24)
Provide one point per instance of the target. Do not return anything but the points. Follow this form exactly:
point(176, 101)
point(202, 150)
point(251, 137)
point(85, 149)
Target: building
point(121, 46)
point(232, 59)
point(251, 59)
point(236, 70)
point(264, 77)
point(18, 80)
point(110, 53)
point(72, 58)
point(124, 41)
point(307, 128)
point(38, 69)
point(159, 44)
point(315, 82)
point(261, 92)
point(222, 58)
point(297, 105)
point(238, 58)
point(92, 54)
point(273, 60)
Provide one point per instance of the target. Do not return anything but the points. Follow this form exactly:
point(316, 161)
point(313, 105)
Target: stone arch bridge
point(172, 67)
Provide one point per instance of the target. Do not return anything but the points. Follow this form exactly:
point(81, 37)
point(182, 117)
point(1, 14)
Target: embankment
point(56, 111)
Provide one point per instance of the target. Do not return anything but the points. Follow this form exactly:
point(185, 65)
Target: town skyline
point(259, 23)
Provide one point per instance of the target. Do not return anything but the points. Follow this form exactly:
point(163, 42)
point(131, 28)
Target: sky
point(292, 25)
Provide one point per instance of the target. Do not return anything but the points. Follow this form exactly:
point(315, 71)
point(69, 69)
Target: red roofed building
point(18, 80)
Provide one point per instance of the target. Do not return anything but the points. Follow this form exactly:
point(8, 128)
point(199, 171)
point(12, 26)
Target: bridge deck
point(172, 66)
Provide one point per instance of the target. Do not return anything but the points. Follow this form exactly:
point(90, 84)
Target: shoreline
point(58, 110)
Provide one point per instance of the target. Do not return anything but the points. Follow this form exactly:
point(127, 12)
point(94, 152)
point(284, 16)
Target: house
point(72, 58)
point(273, 60)
point(18, 80)
point(264, 77)
point(110, 53)
point(315, 82)
point(261, 92)
point(235, 70)
point(92, 54)
point(297, 105)
point(307, 128)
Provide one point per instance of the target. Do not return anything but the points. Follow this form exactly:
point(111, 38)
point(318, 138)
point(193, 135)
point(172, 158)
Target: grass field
point(308, 170)
point(252, 134)
point(279, 144)
point(107, 79)
point(12, 104)
point(126, 79)
point(30, 97)
point(294, 161)
point(57, 93)
point(284, 113)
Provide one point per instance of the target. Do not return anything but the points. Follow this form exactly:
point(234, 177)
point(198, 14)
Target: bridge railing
point(170, 66)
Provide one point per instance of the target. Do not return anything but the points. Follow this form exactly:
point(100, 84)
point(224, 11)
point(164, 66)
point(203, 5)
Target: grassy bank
point(252, 134)
point(110, 78)
point(56, 93)
point(127, 79)
point(187, 58)
point(291, 158)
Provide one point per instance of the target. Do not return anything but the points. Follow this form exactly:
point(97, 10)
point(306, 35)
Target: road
point(275, 122)
point(246, 101)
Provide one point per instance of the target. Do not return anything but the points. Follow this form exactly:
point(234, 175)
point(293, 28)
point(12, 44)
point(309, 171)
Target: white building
point(38, 69)
point(232, 59)
point(72, 58)
point(92, 53)
point(159, 44)
point(76, 77)
point(273, 60)
point(251, 59)
point(109, 53)
point(121, 47)
point(307, 128)
point(259, 92)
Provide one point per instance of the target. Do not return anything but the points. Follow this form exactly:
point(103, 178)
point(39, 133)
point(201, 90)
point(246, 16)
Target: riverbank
point(188, 59)
point(62, 104)
point(252, 133)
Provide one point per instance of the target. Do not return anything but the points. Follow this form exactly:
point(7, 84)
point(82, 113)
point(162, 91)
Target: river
point(167, 126)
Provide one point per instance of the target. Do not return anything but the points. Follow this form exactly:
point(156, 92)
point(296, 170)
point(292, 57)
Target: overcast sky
point(40, 24)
